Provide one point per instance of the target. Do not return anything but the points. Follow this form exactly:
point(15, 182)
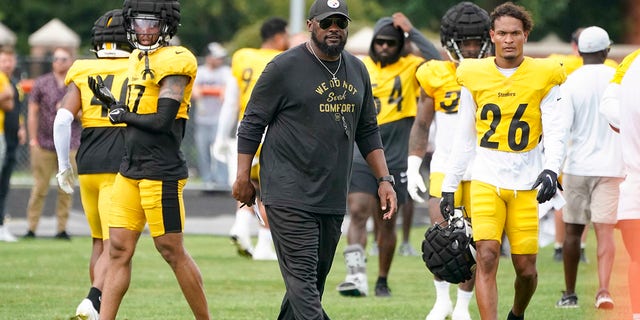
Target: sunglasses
point(389, 42)
point(342, 23)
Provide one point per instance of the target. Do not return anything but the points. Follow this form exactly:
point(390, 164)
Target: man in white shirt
point(593, 169)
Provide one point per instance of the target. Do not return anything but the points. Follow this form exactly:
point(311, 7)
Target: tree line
point(235, 22)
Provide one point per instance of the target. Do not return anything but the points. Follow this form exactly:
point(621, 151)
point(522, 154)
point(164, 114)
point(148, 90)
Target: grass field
point(46, 279)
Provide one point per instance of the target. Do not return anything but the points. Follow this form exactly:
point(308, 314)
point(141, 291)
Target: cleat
point(243, 251)
point(240, 234)
point(567, 301)
point(86, 311)
point(583, 256)
point(382, 290)
point(355, 283)
point(6, 235)
point(264, 251)
point(407, 250)
point(441, 310)
point(459, 314)
point(373, 249)
point(557, 254)
point(264, 246)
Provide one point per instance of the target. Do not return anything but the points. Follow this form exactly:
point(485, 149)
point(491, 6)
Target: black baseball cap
point(321, 9)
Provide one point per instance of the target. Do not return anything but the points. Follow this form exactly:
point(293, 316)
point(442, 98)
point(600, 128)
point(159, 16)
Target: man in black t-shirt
point(314, 118)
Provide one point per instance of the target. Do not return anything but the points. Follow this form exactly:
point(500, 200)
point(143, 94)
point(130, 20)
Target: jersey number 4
point(108, 82)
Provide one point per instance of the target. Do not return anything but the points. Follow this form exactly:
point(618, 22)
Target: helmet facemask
point(462, 23)
point(457, 53)
point(147, 32)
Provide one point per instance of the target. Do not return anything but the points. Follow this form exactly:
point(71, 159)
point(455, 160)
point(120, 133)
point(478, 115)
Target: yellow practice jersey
point(438, 80)
point(145, 76)
point(395, 88)
point(571, 62)
point(624, 65)
point(114, 75)
point(508, 116)
point(247, 65)
point(4, 83)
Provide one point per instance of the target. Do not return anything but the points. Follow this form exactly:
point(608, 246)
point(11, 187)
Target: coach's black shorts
point(363, 180)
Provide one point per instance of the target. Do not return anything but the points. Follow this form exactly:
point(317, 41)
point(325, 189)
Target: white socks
point(442, 290)
point(463, 299)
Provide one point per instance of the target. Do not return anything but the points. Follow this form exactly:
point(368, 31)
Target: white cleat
point(460, 314)
point(354, 285)
point(6, 236)
point(440, 311)
point(86, 311)
point(240, 235)
point(264, 251)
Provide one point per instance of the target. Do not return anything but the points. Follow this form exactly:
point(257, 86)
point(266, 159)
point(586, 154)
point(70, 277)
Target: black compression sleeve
point(161, 121)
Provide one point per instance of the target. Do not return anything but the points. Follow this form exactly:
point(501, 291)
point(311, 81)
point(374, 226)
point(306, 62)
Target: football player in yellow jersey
point(102, 143)
point(464, 33)
point(395, 92)
point(153, 171)
point(14, 133)
point(247, 65)
point(508, 112)
point(6, 104)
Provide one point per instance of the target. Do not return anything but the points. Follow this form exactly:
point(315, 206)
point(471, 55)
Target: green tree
point(235, 22)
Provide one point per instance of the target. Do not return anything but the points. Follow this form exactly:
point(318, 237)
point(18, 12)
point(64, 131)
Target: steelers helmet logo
point(333, 3)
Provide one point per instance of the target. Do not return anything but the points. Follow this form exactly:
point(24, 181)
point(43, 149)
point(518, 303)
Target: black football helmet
point(448, 249)
point(163, 15)
point(465, 21)
point(109, 37)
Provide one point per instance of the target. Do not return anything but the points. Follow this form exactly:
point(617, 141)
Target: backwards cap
point(593, 39)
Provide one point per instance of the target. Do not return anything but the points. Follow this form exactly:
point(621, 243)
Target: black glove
point(446, 204)
point(548, 182)
point(117, 114)
point(101, 92)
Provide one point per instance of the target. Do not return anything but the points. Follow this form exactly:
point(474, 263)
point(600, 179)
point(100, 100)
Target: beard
point(386, 60)
point(330, 50)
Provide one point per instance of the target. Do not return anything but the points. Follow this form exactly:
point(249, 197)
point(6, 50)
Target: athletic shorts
point(495, 210)
point(137, 202)
point(462, 196)
point(95, 194)
point(591, 199)
point(363, 180)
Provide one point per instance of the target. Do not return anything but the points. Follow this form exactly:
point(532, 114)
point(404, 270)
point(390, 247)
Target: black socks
point(95, 295)
point(512, 316)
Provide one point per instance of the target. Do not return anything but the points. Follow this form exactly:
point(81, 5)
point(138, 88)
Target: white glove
point(415, 181)
point(66, 180)
point(220, 149)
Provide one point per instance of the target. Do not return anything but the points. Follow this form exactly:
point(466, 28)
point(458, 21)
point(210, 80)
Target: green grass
point(46, 279)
